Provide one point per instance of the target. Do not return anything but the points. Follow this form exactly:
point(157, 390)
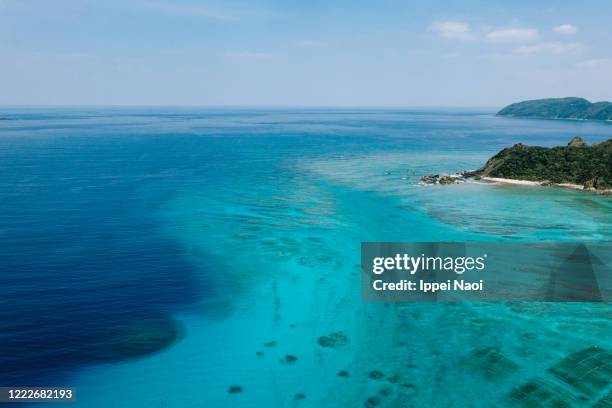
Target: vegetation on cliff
point(576, 163)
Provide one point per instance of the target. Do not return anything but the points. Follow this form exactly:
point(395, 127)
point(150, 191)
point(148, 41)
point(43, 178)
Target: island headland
point(578, 165)
point(560, 108)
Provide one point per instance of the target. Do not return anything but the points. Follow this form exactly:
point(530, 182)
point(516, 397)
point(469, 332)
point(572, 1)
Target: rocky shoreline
point(444, 179)
point(468, 176)
point(436, 179)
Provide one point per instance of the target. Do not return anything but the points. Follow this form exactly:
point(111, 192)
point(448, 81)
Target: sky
point(470, 53)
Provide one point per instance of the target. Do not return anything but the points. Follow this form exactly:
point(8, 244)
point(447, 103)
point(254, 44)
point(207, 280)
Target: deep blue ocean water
point(146, 255)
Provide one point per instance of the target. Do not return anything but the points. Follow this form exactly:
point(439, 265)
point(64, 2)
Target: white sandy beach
point(512, 181)
point(542, 183)
point(530, 183)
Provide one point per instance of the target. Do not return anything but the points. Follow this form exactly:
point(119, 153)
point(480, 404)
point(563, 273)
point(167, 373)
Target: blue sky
point(310, 53)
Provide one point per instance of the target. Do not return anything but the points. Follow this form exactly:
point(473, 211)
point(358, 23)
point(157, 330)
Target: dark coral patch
point(289, 359)
point(376, 375)
point(234, 389)
point(372, 402)
point(136, 339)
point(333, 340)
point(394, 378)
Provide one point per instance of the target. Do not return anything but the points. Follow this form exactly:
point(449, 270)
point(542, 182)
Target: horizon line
point(238, 106)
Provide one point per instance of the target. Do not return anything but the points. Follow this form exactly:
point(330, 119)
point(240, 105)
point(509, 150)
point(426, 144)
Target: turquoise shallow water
point(243, 227)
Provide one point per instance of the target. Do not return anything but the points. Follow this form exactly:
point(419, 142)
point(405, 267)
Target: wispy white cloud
point(548, 48)
point(452, 55)
point(512, 35)
point(248, 55)
point(198, 10)
point(454, 30)
point(566, 29)
point(595, 63)
point(309, 43)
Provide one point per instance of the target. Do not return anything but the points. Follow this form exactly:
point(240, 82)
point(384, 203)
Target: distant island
point(560, 108)
point(577, 165)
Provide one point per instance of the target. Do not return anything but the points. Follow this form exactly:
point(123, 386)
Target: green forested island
point(577, 163)
point(560, 108)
